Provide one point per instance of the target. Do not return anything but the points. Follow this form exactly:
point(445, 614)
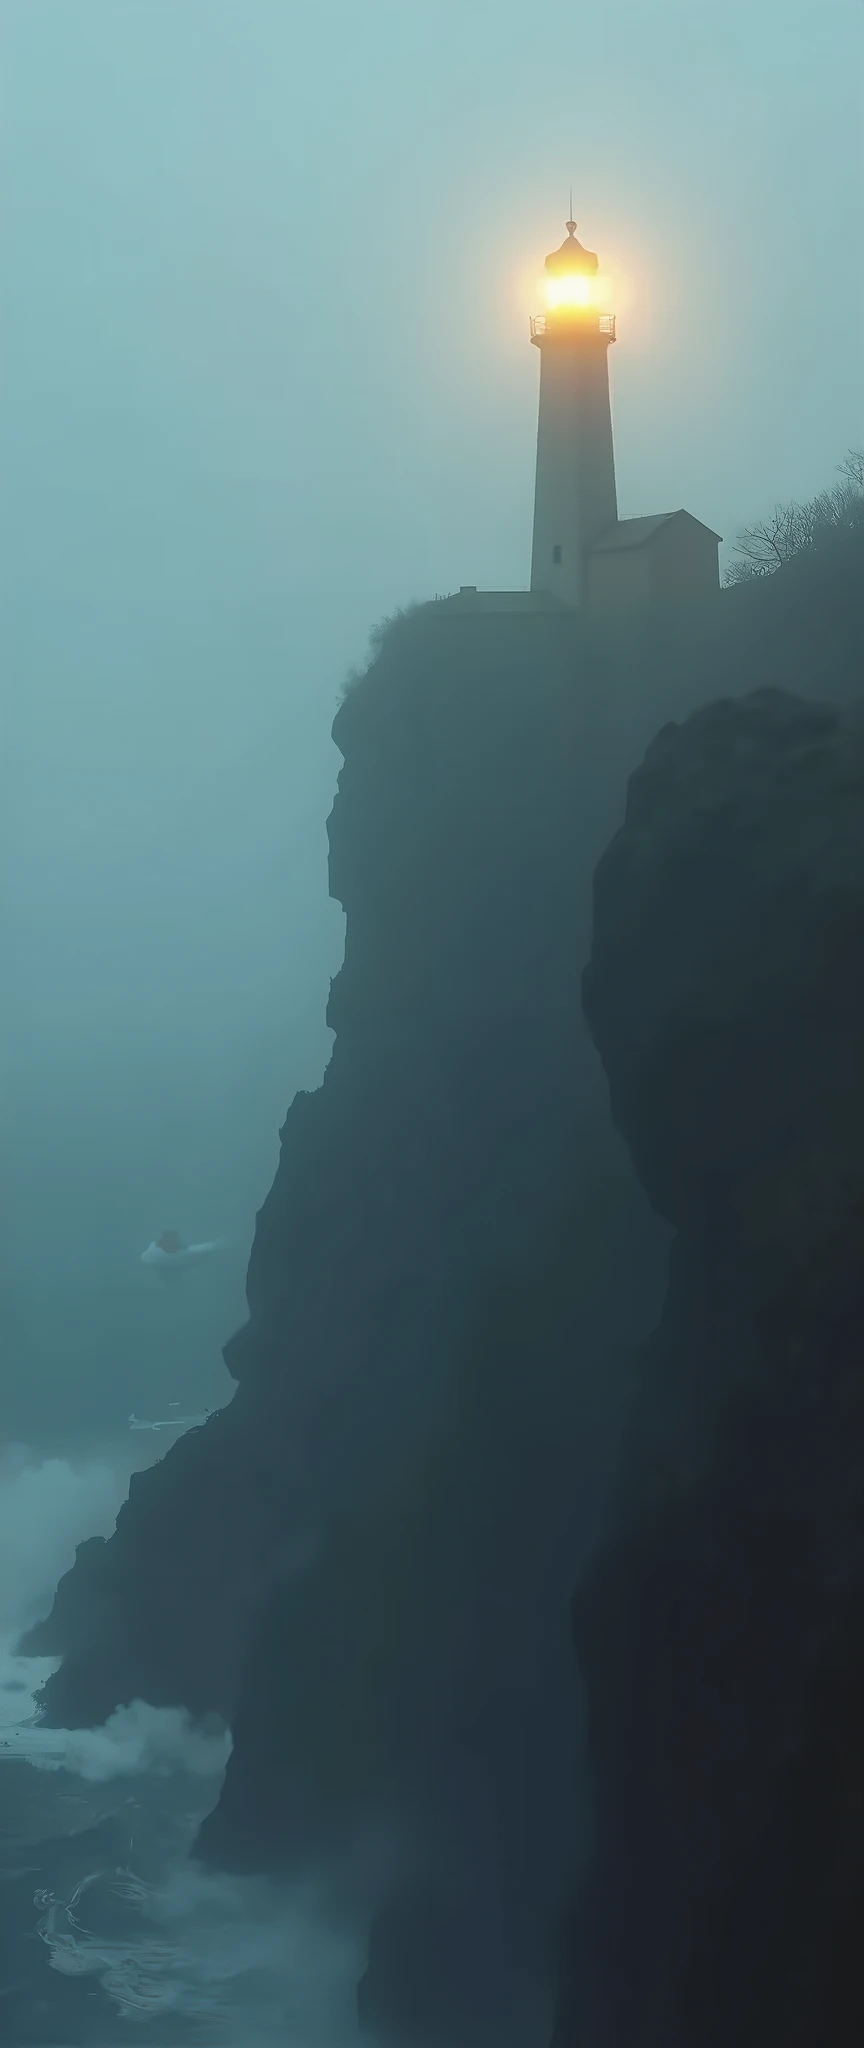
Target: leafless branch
point(792, 529)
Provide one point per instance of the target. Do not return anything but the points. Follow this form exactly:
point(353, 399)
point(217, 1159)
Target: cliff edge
point(720, 1625)
point(365, 1561)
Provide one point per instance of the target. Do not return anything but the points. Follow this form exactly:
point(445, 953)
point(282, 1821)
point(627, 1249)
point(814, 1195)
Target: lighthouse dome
point(571, 259)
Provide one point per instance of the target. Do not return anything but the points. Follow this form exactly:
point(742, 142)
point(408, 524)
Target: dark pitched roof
point(632, 533)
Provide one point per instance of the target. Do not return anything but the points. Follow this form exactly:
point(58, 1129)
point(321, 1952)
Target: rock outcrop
point(366, 1560)
point(720, 1625)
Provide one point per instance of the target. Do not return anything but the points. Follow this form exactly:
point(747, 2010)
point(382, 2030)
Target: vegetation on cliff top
point(796, 529)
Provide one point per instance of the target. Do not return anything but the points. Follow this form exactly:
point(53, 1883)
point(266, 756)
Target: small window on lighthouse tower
point(556, 552)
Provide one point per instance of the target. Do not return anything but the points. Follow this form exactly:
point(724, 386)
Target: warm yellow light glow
point(577, 289)
point(574, 290)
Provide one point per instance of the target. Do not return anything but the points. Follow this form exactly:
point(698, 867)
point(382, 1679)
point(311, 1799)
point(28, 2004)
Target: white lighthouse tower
point(574, 498)
point(583, 555)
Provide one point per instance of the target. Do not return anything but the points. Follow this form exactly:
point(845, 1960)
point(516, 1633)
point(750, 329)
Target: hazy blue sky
point(265, 278)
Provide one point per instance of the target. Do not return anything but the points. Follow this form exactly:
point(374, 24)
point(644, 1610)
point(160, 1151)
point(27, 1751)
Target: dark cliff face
point(366, 1560)
point(720, 1625)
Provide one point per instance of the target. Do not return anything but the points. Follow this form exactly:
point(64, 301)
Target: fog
point(265, 280)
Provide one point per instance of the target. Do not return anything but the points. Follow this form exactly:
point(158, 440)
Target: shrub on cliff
point(794, 529)
point(386, 629)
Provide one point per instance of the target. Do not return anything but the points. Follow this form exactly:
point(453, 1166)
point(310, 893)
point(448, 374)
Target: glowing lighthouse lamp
point(575, 499)
point(573, 285)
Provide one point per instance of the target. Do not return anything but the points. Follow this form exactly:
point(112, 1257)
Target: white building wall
point(618, 579)
point(574, 498)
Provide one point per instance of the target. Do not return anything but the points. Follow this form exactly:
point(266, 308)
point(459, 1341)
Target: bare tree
point(843, 504)
point(852, 468)
point(792, 529)
point(760, 548)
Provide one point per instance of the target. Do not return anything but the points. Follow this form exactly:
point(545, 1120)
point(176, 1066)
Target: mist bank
point(365, 1562)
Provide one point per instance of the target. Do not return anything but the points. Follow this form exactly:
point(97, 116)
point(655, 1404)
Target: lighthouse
point(583, 555)
point(574, 498)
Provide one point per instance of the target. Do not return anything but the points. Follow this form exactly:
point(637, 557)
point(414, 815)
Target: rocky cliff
point(720, 1624)
point(365, 1561)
